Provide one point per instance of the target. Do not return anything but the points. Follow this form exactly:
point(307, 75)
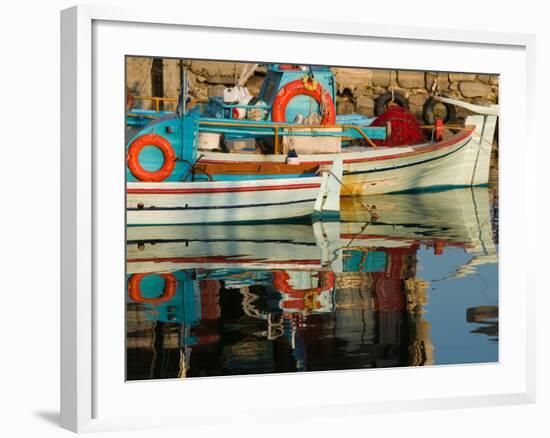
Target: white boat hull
point(463, 159)
point(215, 202)
point(220, 202)
point(465, 163)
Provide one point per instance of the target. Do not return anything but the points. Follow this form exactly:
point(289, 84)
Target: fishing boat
point(211, 202)
point(292, 128)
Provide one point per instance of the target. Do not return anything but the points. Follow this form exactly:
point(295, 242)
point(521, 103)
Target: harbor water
point(401, 280)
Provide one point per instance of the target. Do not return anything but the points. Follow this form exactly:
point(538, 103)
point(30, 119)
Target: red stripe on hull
point(222, 189)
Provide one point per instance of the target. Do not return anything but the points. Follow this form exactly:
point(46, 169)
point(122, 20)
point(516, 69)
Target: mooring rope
point(352, 193)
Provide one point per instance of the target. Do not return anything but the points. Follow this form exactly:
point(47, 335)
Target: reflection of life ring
point(309, 87)
point(167, 151)
point(135, 293)
point(281, 278)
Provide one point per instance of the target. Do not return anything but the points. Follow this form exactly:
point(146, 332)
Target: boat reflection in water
point(402, 280)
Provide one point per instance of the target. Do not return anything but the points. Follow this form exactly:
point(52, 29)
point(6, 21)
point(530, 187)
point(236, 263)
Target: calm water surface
point(402, 280)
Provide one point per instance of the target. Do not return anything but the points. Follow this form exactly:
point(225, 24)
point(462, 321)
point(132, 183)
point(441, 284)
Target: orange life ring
point(134, 289)
point(310, 88)
point(167, 151)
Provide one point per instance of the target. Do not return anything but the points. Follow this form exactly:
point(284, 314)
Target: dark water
point(413, 281)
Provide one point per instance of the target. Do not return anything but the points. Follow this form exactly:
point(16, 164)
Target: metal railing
point(156, 100)
point(288, 127)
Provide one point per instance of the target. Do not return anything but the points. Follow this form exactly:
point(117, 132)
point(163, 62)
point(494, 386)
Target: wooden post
point(157, 81)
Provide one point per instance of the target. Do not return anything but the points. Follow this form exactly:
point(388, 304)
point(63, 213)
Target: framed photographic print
point(256, 209)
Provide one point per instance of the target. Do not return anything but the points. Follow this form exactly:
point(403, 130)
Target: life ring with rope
point(307, 86)
point(135, 293)
point(167, 151)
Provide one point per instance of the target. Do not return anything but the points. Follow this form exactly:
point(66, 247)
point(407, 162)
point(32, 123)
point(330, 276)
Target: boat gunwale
point(210, 158)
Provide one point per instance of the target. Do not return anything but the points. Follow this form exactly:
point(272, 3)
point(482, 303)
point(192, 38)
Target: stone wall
point(357, 88)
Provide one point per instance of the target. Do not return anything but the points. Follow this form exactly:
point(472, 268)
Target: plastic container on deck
point(209, 141)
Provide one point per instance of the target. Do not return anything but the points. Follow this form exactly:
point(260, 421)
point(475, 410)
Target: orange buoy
point(167, 151)
point(309, 87)
point(439, 130)
point(135, 293)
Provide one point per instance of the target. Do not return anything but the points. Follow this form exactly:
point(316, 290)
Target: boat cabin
point(277, 77)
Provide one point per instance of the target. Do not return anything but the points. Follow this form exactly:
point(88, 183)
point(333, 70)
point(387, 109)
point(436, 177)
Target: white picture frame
point(90, 199)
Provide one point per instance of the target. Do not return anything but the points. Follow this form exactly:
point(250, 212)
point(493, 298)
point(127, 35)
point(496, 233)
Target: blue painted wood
point(182, 133)
point(247, 127)
point(142, 117)
point(374, 133)
point(276, 79)
point(251, 176)
point(354, 119)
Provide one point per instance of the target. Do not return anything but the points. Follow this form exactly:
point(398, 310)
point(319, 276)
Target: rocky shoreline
point(358, 88)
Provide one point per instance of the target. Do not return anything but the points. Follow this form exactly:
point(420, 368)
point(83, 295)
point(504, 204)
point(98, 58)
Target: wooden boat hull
point(215, 202)
point(462, 159)
point(193, 203)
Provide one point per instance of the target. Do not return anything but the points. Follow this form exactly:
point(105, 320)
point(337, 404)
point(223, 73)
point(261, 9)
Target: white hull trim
point(233, 201)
